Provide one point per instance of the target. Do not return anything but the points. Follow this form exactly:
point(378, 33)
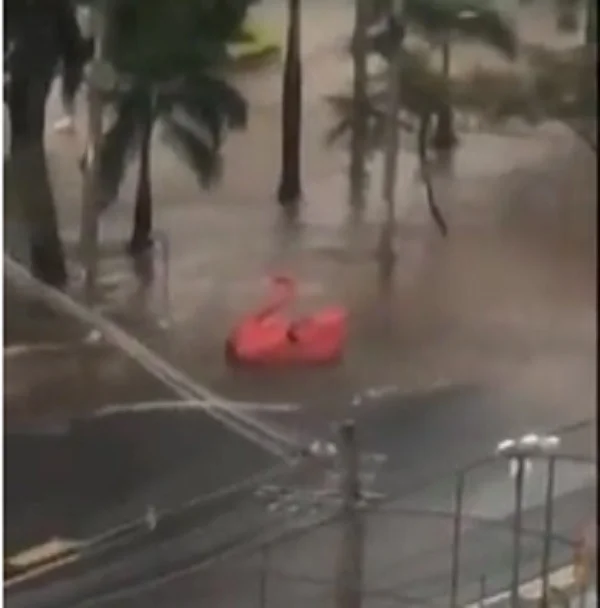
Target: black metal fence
point(418, 550)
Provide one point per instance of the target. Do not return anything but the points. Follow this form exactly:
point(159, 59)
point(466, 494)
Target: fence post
point(263, 574)
point(350, 574)
point(457, 529)
point(548, 528)
point(521, 463)
point(482, 590)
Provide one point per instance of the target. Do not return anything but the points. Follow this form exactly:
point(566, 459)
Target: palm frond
point(205, 160)
point(436, 19)
point(209, 90)
point(375, 110)
point(423, 89)
point(475, 19)
point(340, 130)
point(163, 38)
point(211, 104)
point(119, 143)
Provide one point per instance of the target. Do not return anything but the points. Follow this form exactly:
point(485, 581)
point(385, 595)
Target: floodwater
point(487, 333)
point(505, 304)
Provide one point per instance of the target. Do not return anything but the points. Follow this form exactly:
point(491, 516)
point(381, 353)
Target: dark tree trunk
point(38, 34)
point(29, 173)
point(141, 238)
point(358, 144)
point(445, 136)
point(434, 210)
point(290, 188)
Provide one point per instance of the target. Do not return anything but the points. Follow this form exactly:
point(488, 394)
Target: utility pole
point(97, 76)
point(358, 143)
point(350, 575)
point(456, 538)
point(392, 141)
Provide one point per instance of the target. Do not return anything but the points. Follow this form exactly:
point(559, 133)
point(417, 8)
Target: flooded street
point(487, 334)
point(501, 315)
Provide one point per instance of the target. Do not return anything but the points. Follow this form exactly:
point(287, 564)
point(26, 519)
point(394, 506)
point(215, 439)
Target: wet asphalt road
point(73, 474)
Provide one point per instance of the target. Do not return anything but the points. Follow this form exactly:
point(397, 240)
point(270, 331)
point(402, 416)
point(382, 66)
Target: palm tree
point(439, 21)
point(195, 110)
point(172, 81)
point(38, 36)
point(358, 150)
point(423, 93)
point(290, 186)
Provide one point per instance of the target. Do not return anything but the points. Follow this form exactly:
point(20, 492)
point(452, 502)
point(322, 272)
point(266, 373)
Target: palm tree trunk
point(392, 145)
point(445, 136)
point(290, 189)
point(591, 26)
point(358, 144)
point(141, 238)
point(29, 174)
point(434, 210)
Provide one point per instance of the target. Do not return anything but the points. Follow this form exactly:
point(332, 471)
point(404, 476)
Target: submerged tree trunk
point(141, 238)
point(38, 34)
point(434, 210)
point(391, 147)
point(29, 174)
point(445, 136)
point(358, 144)
point(290, 188)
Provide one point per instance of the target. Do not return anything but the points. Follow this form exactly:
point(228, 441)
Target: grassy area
point(256, 44)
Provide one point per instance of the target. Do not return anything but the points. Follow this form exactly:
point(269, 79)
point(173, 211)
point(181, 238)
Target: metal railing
point(424, 547)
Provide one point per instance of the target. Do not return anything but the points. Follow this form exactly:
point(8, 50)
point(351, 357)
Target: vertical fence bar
point(548, 528)
point(456, 538)
point(162, 241)
point(516, 557)
point(263, 574)
point(350, 575)
point(482, 590)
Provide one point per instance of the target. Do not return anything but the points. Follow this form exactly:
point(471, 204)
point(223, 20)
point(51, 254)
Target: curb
point(39, 559)
point(564, 581)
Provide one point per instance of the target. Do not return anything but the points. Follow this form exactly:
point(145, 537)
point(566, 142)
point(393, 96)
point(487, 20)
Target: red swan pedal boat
point(268, 337)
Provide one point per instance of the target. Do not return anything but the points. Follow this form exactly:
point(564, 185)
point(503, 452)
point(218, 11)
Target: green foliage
point(168, 56)
point(423, 89)
point(437, 19)
point(155, 39)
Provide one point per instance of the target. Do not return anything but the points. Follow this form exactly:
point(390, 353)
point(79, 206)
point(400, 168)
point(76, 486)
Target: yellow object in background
point(255, 42)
